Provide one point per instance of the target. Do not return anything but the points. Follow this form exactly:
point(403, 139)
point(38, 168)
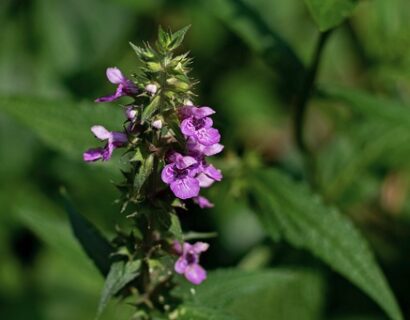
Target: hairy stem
point(302, 101)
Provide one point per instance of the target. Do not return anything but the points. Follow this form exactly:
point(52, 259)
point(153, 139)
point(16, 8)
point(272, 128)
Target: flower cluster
point(186, 174)
point(166, 138)
point(114, 139)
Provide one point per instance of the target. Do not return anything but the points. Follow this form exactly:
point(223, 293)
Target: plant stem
point(302, 101)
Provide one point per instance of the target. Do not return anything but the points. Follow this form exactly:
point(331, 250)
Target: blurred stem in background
point(301, 104)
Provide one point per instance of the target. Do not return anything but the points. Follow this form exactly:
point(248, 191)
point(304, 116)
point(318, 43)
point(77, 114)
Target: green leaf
point(175, 227)
point(150, 109)
point(46, 219)
point(330, 13)
point(305, 222)
point(120, 274)
point(377, 108)
point(197, 312)
point(271, 294)
point(383, 136)
point(91, 240)
point(248, 24)
point(178, 37)
point(144, 171)
point(63, 126)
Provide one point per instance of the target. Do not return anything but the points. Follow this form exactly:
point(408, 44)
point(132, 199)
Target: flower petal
point(187, 127)
point(202, 112)
point(107, 98)
point(208, 136)
point(204, 180)
point(114, 75)
point(118, 138)
point(213, 172)
point(212, 150)
point(168, 174)
point(208, 122)
point(199, 247)
point(181, 265)
point(108, 150)
point(183, 162)
point(101, 133)
point(203, 202)
point(185, 188)
point(195, 274)
point(93, 154)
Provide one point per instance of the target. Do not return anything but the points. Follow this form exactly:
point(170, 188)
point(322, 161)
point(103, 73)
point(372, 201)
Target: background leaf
point(93, 243)
point(271, 294)
point(120, 274)
point(329, 13)
point(307, 223)
point(382, 138)
point(248, 24)
point(61, 125)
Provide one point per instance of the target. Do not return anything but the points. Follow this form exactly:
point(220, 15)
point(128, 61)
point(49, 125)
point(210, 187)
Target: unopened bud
point(188, 102)
point(154, 66)
point(130, 113)
point(151, 88)
point(157, 124)
point(178, 84)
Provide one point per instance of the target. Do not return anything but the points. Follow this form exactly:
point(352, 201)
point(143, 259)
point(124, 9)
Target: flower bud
point(130, 113)
point(157, 124)
point(151, 88)
point(178, 84)
point(154, 66)
point(188, 102)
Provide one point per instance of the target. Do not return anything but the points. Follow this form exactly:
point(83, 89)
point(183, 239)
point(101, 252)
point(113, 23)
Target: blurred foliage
point(251, 58)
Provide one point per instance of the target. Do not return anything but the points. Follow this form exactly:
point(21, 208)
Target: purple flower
point(203, 202)
point(206, 173)
point(114, 140)
point(180, 175)
point(125, 86)
point(188, 262)
point(197, 125)
point(195, 147)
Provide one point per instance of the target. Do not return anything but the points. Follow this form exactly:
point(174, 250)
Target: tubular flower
point(197, 124)
point(188, 262)
point(125, 86)
point(114, 140)
point(180, 175)
point(202, 140)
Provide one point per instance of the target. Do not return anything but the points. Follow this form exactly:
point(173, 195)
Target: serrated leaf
point(248, 24)
point(330, 13)
point(63, 126)
point(305, 222)
point(120, 274)
point(269, 294)
point(175, 227)
point(150, 109)
point(144, 171)
point(178, 37)
point(94, 244)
